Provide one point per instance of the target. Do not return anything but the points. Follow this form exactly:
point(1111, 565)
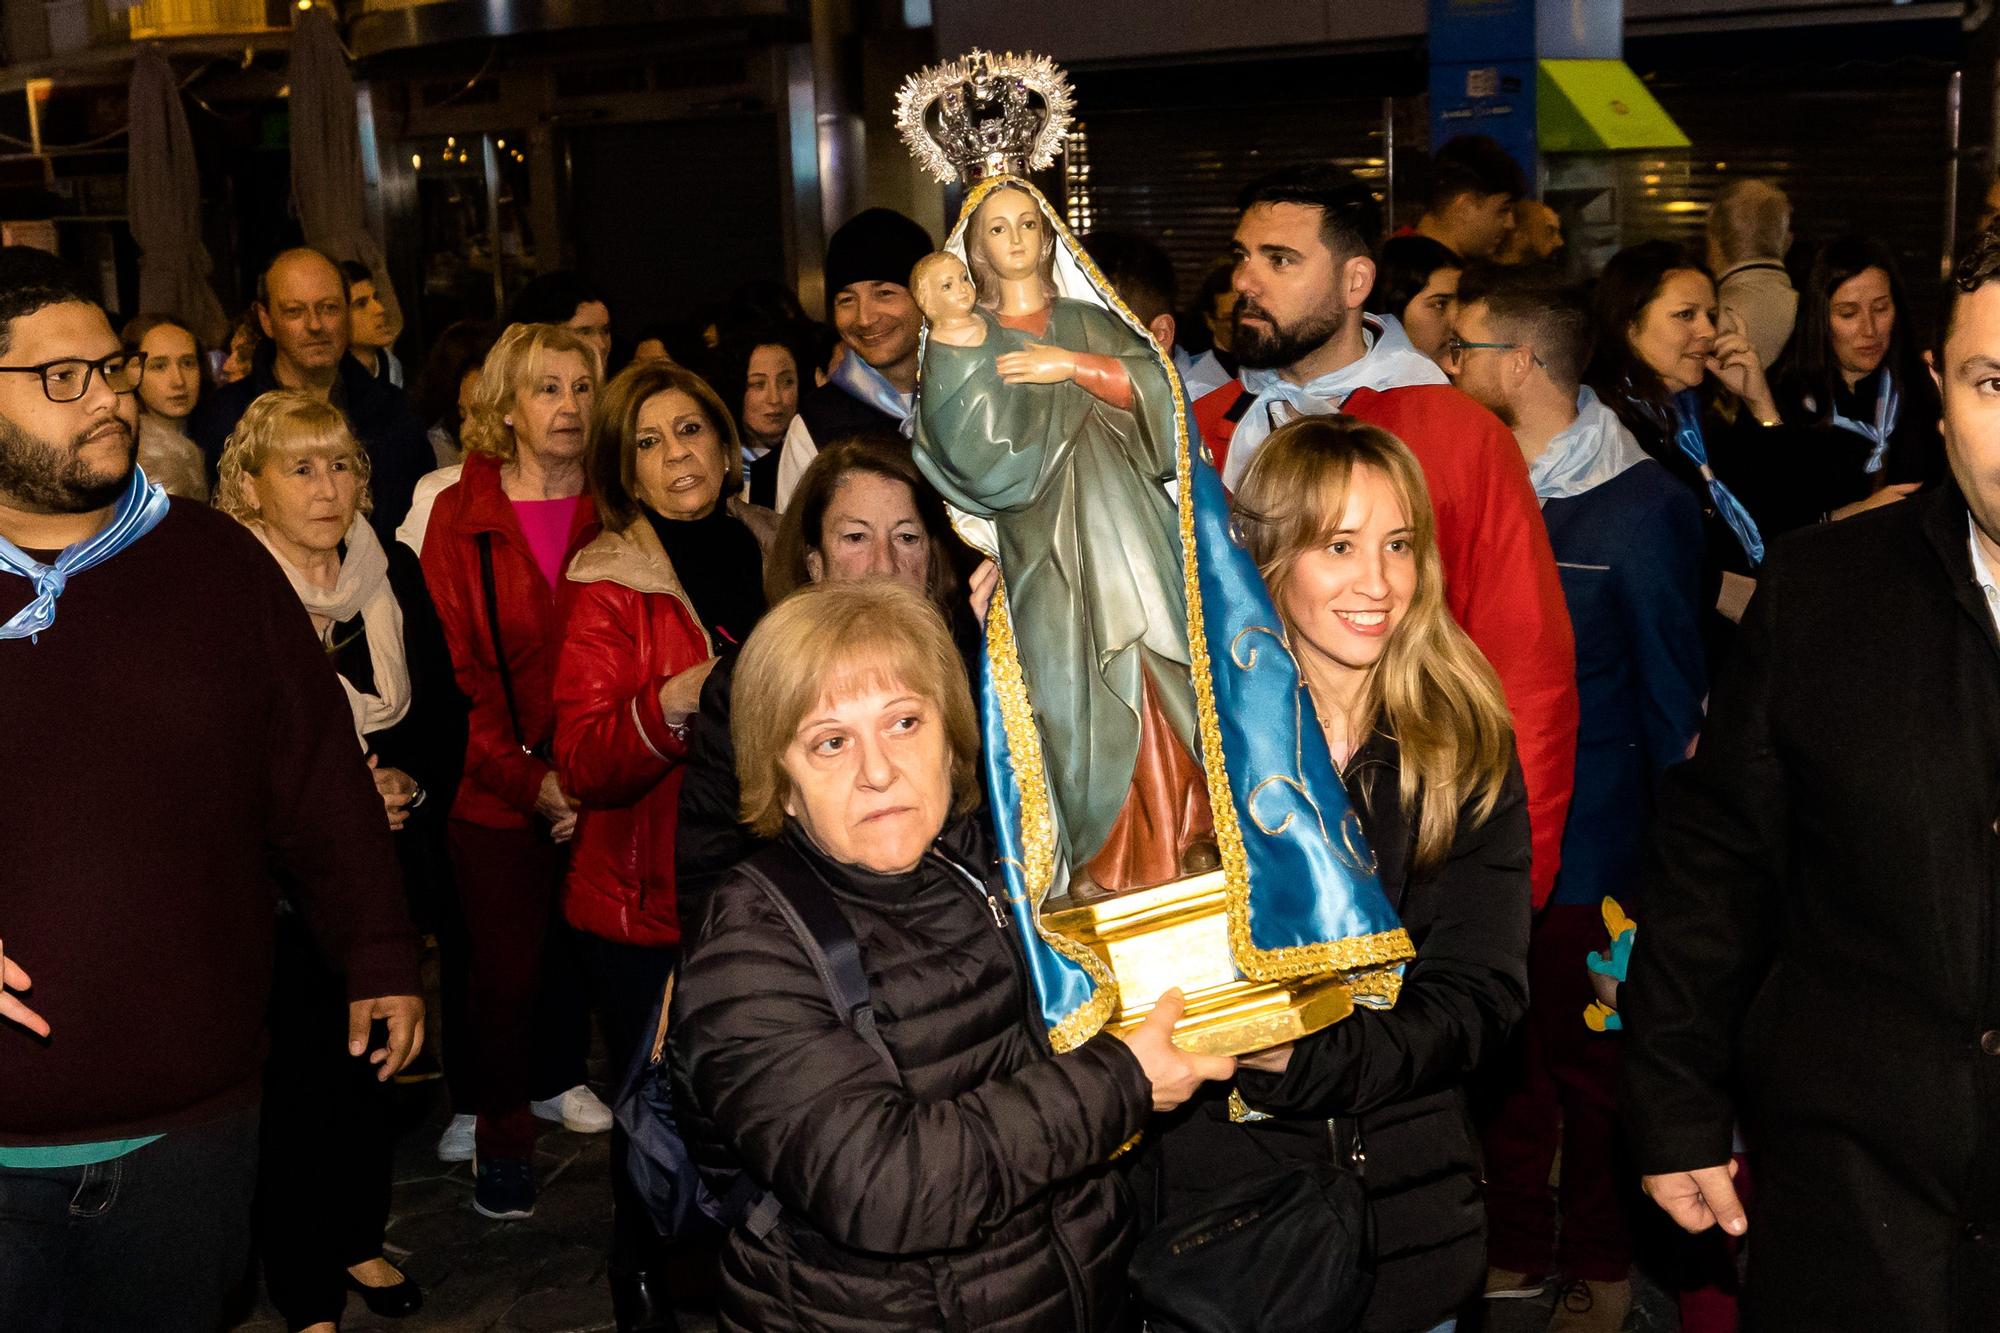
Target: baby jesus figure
point(945, 293)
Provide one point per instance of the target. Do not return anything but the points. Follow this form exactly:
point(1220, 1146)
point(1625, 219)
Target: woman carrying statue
point(1142, 723)
point(1055, 421)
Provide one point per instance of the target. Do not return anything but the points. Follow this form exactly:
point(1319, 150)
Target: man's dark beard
point(1272, 346)
point(56, 481)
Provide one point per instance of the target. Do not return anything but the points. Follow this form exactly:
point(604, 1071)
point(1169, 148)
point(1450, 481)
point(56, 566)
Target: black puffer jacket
point(973, 1196)
point(1402, 1072)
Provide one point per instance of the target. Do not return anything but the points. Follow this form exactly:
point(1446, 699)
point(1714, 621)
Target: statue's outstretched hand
point(1037, 363)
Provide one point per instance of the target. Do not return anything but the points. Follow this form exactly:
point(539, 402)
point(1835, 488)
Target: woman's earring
point(506, 421)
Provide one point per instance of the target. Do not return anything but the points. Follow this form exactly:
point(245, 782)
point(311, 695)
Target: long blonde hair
point(1431, 689)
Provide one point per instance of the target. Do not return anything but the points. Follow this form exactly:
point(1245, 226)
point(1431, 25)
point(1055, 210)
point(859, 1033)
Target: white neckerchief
point(1587, 453)
point(1391, 362)
point(362, 588)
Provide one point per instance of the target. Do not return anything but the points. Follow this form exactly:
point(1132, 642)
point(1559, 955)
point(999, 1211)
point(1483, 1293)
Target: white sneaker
point(455, 1144)
point(579, 1110)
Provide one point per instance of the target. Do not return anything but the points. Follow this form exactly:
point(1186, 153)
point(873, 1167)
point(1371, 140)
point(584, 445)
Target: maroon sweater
point(175, 748)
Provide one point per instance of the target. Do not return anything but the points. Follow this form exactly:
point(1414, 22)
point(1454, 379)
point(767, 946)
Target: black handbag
point(676, 1193)
point(1289, 1251)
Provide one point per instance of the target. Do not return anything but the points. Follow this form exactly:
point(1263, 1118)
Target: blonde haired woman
point(494, 553)
point(1339, 520)
point(293, 474)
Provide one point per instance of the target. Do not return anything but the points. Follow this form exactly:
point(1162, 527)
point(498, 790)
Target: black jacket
point(1401, 1072)
point(709, 837)
point(386, 426)
point(973, 1196)
point(429, 743)
point(1834, 458)
point(1818, 941)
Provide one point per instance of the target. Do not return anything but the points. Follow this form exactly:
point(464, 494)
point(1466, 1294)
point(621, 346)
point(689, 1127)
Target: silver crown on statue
point(977, 116)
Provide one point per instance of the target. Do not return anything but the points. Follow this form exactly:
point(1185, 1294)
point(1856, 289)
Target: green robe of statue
point(1089, 540)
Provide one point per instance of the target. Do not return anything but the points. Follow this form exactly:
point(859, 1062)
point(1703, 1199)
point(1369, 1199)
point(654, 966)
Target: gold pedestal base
point(1177, 934)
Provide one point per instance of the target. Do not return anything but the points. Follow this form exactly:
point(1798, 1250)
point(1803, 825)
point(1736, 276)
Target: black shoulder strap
point(485, 540)
point(823, 931)
point(1239, 409)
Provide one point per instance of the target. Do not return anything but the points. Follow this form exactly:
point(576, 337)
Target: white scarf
point(1587, 453)
point(363, 589)
point(1391, 362)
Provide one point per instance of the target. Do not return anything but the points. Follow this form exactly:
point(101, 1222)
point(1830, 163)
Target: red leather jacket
point(501, 779)
point(630, 628)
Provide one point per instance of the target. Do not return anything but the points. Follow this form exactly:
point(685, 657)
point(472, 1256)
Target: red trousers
point(1563, 1095)
point(521, 979)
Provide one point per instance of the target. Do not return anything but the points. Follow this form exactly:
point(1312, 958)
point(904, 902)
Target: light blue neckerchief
point(139, 511)
point(1391, 362)
point(865, 384)
point(1687, 434)
point(1587, 453)
point(1888, 406)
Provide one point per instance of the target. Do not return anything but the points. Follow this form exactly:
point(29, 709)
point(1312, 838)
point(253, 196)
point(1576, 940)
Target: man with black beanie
point(868, 265)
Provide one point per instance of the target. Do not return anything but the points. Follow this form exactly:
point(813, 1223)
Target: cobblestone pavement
point(541, 1275)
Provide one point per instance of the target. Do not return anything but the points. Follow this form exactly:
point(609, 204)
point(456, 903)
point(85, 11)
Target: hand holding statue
point(1173, 1073)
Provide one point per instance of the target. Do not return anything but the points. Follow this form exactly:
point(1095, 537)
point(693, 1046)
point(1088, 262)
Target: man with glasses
point(1627, 542)
point(1303, 269)
point(176, 750)
point(303, 306)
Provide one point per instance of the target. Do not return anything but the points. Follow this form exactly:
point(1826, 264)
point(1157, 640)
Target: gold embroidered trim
point(1037, 827)
point(1240, 1112)
point(1377, 989)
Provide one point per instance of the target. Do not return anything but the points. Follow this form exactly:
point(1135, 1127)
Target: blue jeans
point(151, 1242)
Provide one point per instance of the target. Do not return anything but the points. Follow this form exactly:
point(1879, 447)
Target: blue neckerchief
point(1687, 434)
point(139, 511)
point(1391, 362)
point(1587, 453)
point(865, 384)
point(1888, 406)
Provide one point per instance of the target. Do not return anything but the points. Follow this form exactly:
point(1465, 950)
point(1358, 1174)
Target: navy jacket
point(387, 427)
point(1629, 552)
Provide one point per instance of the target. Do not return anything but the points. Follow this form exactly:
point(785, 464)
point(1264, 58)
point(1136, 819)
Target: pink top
point(546, 524)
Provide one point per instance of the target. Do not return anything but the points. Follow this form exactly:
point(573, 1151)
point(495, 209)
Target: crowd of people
point(1648, 615)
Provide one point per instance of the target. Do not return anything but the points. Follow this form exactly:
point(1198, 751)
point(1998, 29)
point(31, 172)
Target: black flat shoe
point(405, 1298)
point(640, 1303)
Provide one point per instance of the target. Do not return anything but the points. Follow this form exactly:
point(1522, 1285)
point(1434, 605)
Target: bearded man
point(1303, 268)
point(177, 752)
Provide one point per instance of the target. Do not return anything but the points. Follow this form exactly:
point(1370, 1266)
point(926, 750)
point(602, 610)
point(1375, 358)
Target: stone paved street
point(542, 1275)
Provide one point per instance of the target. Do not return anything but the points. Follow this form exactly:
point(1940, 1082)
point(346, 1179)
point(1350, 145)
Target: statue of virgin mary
point(1143, 716)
